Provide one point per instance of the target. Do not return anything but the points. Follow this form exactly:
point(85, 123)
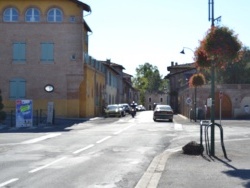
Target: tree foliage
point(148, 79)
point(236, 72)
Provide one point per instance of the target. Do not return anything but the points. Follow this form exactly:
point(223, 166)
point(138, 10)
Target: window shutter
point(22, 89)
point(13, 89)
point(19, 51)
point(47, 52)
point(50, 52)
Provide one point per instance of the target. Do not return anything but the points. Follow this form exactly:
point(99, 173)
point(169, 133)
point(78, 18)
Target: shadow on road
point(243, 174)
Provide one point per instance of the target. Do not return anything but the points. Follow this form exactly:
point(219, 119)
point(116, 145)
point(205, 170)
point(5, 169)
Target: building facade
point(43, 44)
point(152, 98)
point(231, 100)
point(178, 79)
point(93, 101)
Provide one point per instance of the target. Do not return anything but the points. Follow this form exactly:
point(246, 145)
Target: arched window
point(55, 15)
point(10, 15)
point(32, 15)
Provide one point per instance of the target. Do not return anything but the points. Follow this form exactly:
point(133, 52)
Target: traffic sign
point(189, 101)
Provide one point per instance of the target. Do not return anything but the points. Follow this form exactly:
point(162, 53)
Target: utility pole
point(211, 17)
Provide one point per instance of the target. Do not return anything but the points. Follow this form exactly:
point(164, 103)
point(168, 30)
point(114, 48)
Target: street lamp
point(195, 89)
point(183, 52)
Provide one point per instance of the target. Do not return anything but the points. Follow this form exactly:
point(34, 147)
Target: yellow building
point(43, 44)
point(93, 89)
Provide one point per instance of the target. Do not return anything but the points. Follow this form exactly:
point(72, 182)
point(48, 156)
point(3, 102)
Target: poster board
point(24, 113)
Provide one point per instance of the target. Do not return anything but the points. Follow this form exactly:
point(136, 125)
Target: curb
point(152, 176)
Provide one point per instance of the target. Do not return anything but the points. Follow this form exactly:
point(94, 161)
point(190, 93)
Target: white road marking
point(42, 167)
point(41, 138)
point(102, 140)
point(236, 139)
point(178, 126)
point(8, 182)
point(85, 148)
point(118, 132)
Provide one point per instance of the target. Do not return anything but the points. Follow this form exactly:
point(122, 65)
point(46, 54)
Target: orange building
point(42, 45)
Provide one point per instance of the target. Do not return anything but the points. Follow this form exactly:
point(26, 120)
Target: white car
point(163, 112)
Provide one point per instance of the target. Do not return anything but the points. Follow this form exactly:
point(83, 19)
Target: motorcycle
point(133, 112)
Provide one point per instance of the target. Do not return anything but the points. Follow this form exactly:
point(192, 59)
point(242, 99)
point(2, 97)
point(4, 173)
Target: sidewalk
point(189, 171)
point(58, 123)
point(183, 170)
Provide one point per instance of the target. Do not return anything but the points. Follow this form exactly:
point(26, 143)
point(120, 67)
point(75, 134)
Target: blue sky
point(134, 32)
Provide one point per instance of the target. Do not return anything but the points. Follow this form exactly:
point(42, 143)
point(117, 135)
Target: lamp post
point(211, 17)
point(195, 89)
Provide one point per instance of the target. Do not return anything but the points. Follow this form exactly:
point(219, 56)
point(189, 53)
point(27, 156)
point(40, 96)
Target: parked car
point(163, 112)
point(127, 108)
point(122, 109)
point(114, 110)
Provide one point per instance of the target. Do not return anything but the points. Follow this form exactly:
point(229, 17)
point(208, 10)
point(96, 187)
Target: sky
point(134, 32)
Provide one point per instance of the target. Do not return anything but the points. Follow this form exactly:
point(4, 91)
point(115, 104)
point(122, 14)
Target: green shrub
point(2, 113)
point(3, 116)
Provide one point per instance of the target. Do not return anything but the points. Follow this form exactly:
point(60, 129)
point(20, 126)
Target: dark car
point(114, 110)
point(163, 112)
point(127, 108)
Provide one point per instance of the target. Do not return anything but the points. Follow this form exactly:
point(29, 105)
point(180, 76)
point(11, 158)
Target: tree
point(236, 73)
point(148, 78)
point(2, 113)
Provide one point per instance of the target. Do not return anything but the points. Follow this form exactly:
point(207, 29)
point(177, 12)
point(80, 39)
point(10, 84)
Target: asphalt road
point(105, 153)
point(111, 152)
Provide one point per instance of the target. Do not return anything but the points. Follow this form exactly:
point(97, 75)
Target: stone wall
point(235, 100)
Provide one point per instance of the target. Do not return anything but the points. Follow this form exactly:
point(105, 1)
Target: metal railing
point(39, 117)
point(205, 124)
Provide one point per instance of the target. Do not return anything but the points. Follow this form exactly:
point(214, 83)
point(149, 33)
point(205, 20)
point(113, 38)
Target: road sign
point(189, 101)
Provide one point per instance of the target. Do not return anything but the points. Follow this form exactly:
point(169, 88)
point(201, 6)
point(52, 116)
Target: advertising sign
point(24, 113)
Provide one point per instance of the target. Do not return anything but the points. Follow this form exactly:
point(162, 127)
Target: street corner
point(232, 170)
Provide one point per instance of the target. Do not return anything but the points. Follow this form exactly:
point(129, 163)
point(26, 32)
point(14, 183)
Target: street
point(102, 152)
